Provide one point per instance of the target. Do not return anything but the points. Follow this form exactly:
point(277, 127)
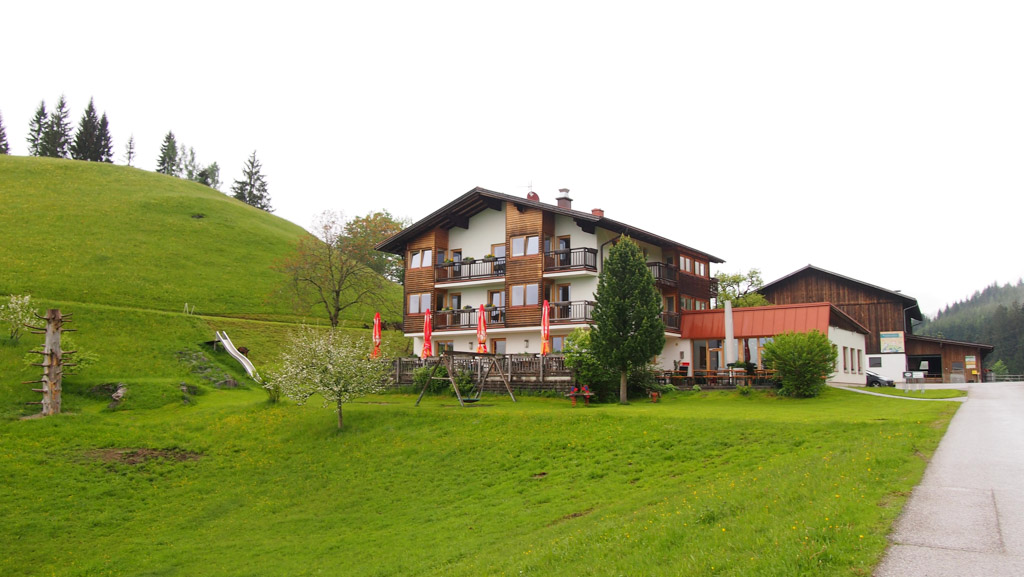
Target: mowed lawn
point(701, 484)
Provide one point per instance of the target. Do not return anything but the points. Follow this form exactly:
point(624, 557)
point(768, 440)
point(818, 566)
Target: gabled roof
point(909, 301)
point(459, 211)
point(767, 321)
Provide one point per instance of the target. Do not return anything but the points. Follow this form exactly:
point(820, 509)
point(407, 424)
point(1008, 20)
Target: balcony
point(491, 268)
point(671, 321)
point(698, 286)
point(571, 312)
point(665, 275)
point(570, 259)
point(467, 318)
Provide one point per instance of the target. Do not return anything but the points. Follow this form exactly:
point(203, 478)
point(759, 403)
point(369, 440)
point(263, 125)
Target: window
point(557, 344)
point(455, 300)
point(498, 250)
point(670, 304)
point(525, 245)
point(860, 361)
point(846, 355)
point(421, 258)
point(443, 347)
point(686, 264)
point(498, 346)
point(875, 362)
point(525, 294)
point(419, 303)
point(686, 303)
point(701, 268)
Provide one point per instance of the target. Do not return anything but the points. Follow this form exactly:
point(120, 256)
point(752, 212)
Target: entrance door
point(562, 296)
point(498, 346)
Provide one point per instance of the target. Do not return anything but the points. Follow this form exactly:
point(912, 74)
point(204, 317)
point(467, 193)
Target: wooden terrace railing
point(467, 318)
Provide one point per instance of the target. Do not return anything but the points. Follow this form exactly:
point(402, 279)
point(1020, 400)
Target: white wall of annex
point(851, 340)
point(893, 365)
point(485, 229)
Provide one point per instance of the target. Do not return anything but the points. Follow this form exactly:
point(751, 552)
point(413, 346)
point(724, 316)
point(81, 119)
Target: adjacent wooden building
point(892, 348)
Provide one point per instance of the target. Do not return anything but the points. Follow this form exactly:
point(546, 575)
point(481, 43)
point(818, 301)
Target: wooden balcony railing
point(698, 286)
point(664, 274)
point(671, 320)
point(571, 259)
point(475, 270)
point(571, 312)
point(467, 318)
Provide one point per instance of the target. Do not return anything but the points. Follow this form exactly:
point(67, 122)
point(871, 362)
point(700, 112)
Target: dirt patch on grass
point(892, 498)
point(570, 516)
point(138, 456)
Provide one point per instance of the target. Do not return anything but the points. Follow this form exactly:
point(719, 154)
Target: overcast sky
point(880, 140)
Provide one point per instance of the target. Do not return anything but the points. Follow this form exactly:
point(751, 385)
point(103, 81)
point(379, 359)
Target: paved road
point(966, 518)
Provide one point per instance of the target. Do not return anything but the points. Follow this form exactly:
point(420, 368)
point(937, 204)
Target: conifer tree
point(36, 128)
point(627, 330)
point(106, 143)
point(57, 134)
point(168, 161)
point(4, 147)
point(252, 189)
point(129, 150)
point(210, 176)
point(86, 143)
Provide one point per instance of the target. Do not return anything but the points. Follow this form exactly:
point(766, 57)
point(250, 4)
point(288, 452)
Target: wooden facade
point(878, 309)
point(953, 357)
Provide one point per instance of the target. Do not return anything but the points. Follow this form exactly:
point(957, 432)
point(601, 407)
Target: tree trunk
point(339, 414)
point(623, 399)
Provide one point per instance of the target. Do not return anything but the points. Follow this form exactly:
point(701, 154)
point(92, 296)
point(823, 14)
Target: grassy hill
point(115, 235)
point(124, 250)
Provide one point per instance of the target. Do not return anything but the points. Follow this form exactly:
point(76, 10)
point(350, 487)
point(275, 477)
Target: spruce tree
point(168, 161)
point(86, 143)
point(252, 189)
point(627, 329)
point(4, 147)
point(106, 143)
point(57, 134)
point(36, 129)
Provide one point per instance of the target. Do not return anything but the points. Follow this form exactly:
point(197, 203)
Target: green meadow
point(699, 484)
point(188, 477)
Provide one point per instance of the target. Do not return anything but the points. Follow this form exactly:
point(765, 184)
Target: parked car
point(877, 380)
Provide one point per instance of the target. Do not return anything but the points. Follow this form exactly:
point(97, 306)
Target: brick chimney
point(564, 201)
point(597, 212)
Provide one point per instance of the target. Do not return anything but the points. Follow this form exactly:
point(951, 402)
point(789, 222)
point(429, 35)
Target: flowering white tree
point(17, 313)
point(332, 365)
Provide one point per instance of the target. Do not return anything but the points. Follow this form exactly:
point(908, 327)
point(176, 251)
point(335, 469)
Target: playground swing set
point(447, 360)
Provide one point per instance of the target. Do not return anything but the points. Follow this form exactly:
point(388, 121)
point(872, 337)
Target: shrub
point(803, 362)
point(744, 390)
point(696, 388)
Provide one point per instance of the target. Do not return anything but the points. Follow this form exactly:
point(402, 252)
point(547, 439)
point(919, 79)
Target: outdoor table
point(586, 397)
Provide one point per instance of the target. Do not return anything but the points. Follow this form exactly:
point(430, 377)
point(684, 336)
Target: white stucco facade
point(849, 371)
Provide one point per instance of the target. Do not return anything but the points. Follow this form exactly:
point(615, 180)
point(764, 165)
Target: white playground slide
point(230, 348)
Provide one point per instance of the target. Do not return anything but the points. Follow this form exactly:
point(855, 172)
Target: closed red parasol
point(428, 349)
point(481, 331)
point(545, 330)
point(376, 335)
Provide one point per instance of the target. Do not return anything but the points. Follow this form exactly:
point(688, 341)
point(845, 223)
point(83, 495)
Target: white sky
point(881, 140)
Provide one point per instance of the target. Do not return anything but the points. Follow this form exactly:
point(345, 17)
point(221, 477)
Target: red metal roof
point(767, 321)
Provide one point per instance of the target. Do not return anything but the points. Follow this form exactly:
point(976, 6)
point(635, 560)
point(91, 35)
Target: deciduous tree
point(323, 272)
point(365, 232)
point(16, 314)
point(252, 188)
point(329, 364)
point(129, 150)
point(741, 289)
point(627, 329)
